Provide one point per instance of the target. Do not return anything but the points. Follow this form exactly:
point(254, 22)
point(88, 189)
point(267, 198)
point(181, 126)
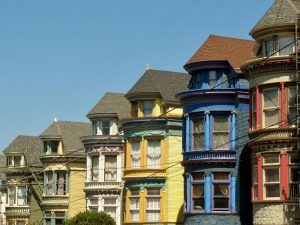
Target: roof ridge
point(227, 37)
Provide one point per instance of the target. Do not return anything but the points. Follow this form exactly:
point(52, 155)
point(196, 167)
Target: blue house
point(215, 131)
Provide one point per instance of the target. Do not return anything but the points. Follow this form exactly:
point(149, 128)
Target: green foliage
point(90, 218)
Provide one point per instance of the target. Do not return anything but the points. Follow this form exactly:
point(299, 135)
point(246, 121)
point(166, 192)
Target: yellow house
point(153, 172)
point(64, 170)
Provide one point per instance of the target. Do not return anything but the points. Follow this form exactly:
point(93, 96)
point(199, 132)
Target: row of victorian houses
point(216, 145)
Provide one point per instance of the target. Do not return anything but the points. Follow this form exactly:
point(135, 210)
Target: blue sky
point(57, 58)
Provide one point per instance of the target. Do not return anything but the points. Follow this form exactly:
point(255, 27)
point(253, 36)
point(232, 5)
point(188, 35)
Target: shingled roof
point(218, 48)
point(166, 84)
point(111, 104)
point(282, 12)
point(69, 132)
point(30, 146)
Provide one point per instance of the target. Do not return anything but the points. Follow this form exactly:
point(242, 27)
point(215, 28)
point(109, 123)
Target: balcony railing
point(55, 200)
point(17, 211)
point(102, 185)
point(293, 197)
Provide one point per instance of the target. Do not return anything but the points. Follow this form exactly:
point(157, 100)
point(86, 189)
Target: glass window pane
point(11, 196)
point(154, 154)
point(147, 108)
point(221, 203)
point(285, 45)
point(105, 127)
point(198, 176)
point(271, 159)
point(198, 190)
point(272, 190)
point(270, 98)
point(198, 203)
point(221, 123)
point(135, 109)
point(110, 211)
point(272, 175)
point(110, 172)
point(49, 183)
point(135, 154)
point(269, 49)
point(61, 183)
point(221, 189)
point(221, 176)
point(22, 195)
point(95, 167)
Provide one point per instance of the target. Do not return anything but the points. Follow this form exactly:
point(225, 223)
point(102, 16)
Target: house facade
point(23, 181)
point(64, 170)
point(105, 156)
point(274, 115)
point(215, 112)
point(153, 189)
point(2, 190)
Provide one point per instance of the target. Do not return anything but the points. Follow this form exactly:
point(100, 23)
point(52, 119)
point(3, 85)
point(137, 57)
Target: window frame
point(153, 210)
point(271, 109)
point(194, 133)
point(290, 121)
point(197, 182)
point(147, 109)
point(275, 46)
point(226, 145)
point(95, 169)
point(137, 154)
point(220, 182)
point(271, 166)
point(157, 165)
point(106, 169)
point(135, 209)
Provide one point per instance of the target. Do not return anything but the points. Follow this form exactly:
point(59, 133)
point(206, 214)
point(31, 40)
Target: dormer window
point(51, 147)
point(103, 127)
point(135, 109)
point(15, 161)
point(147, 108)
point(278, 45)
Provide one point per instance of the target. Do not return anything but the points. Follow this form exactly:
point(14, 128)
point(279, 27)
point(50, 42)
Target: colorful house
point(153, 174)
point(274, 115)
point(105, 156)
point(23, 179)
point(2, 190)
point(215, 131)
point(64, 170)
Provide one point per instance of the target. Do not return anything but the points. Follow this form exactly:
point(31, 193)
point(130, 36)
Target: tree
point(88, 218)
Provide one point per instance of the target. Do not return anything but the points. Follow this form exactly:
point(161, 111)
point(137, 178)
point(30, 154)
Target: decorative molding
point(98, 149)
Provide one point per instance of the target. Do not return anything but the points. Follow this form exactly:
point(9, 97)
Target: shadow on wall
point(180, 216)
point(244, 177)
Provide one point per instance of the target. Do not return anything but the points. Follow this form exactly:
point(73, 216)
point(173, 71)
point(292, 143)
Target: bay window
point(134, 205)
point(55, 183)
point(61, 183)
point(153, 205)
point(278, 45)
point(153, 154)
point(95, 167)
point(110, 168)
point(271, 176)
point(135, 154)
point(110, 207)
point(198, 192)
point(221, 185)
point(271, 108)
point(21, 195)
point(220, 131)
point(198, 133)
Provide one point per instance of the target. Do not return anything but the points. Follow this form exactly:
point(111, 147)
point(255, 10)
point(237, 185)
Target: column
point(187, 133)
point(257, 95)
point(259, 177)
point(143, 203)
point(283, 114)
point(232, 129)
point(206, 130)
point(250, 110)
point(232, 192)
point(207, 192)
point(188, 186)
point(284, 175)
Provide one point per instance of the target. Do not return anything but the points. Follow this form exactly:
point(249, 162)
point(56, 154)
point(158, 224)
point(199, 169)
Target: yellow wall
point(174, 183)
point(76, 186)
point(172, 111)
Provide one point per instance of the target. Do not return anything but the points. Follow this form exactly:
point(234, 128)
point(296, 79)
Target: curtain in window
point(153, 209)
point(49, 177)
point(154, 154)
point(95, 167)
point(221, 189)
point(21, 195)
point(61, 183)
point(134, 209)
point(198, 133)
point(110, 167)
point(135, 155)
point(11, 196)
point(198, 190)
point(221, 134)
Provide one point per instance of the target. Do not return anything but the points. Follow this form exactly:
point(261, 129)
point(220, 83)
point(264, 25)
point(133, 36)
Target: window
point(11, 195)
point(220, 132)
point(271, 107)
point(269, 47)
point(198, 133)
point(292, 106)
point(153, 205)
point(134, 205)
point(110, 168)
point(221, 191)
point(255, 178)
point(109, 207)
point(61, 183)
point(105, 127)
point(147, 108)
point(51, 147)
point(279, 45)
point(135, 155)
point(135, 109)
point(49, 183)
point(271, 176)
point(212, 79)
point(198, 192)
point(22, 195)
point(285, 45)
point(253, 110)
point(56, 217)
point(15, 161)
point(93, 206)
point(95, 167)
point(293, 176)
point(154, 154)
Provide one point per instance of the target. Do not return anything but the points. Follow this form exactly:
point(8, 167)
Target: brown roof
point(218, 48)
